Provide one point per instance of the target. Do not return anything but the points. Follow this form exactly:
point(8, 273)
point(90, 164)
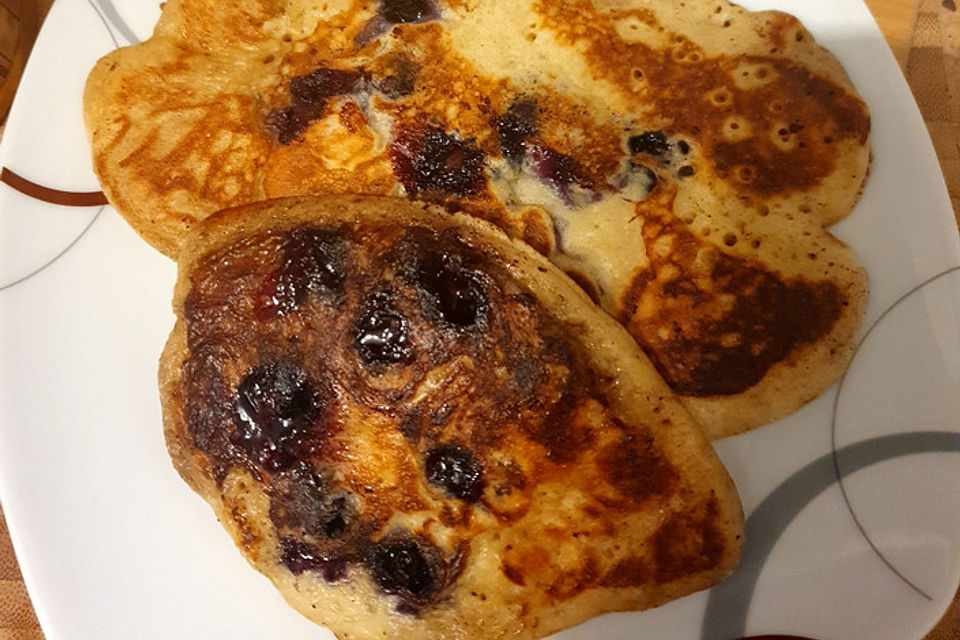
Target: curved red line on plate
point(53, 196)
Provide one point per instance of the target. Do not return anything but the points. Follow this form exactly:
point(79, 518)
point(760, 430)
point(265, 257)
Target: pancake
point(680, 161)
point(417, 427)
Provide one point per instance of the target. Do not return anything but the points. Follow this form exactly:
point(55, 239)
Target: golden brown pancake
point(416, 427)
point(679, 160)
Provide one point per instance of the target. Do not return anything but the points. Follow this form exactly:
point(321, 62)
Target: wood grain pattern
point(18, 29)
point(17, 619)
point(924, 36)
point(933, 71)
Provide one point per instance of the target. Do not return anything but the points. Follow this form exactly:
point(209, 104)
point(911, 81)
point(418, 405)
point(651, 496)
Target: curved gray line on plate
point(725, 617)
point(4, 287)
point(833, 429)
point(107, 12)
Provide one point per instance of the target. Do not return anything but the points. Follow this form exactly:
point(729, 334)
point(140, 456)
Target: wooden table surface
point(923, 34)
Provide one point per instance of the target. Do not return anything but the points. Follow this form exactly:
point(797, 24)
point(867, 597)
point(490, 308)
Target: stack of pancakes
point(474, 395)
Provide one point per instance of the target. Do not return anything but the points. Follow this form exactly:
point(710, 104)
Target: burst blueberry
point(380, 333)
point(275, 411)
point(402, 568)
point(455, 470)
point(457, 292)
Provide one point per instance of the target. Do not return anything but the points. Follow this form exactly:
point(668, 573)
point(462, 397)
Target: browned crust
point(777, 139)
point(354, 608)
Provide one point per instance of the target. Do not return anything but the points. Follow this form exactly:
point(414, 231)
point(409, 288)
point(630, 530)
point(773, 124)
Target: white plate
point(113, 545)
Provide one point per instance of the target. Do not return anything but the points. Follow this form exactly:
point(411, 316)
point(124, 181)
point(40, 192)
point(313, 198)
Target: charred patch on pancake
point(632, 571)
point(563, 432)
point(506, 477)
point(573, 581)
point(432, 160)
point(207, 415)
point(714, 324)
point(637, 468)
point(688, 543)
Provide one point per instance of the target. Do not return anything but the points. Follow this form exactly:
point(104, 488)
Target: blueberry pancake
point(680, 160)
point(419, 428)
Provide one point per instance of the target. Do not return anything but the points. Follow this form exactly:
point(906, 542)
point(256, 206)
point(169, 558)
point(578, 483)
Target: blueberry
point(396, 11)
point(380, 333)
point(308, 96)
point(299, 557)
point(514, 127)
point(275, 411)
point(304, 500)
point(555, 168)
point(434, 160)
point(289, 123)
point(455, 470)
point(322, 83)
point(312, 262)
point(402, 568)
point(652, 143)
point(458, 293)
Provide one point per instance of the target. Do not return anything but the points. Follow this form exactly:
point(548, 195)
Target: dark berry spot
point(652, 143)
point(290, 123)
point(436, 160)
point(410, 425)
point(312, 262)
point(400, 567)
point(400, 82)
point(634, 181)
point(299, 557)
point(333, 521)
point(275, 412)
point(683, 146)
point(514, 127)
point(457, 292)
point(559, 170)
point(454, 469)
point(407, 10)
point(323, 83)
point(685, 171)
point(308, 96)
point(380, 333)
point(374, 28)
point(304, 500)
